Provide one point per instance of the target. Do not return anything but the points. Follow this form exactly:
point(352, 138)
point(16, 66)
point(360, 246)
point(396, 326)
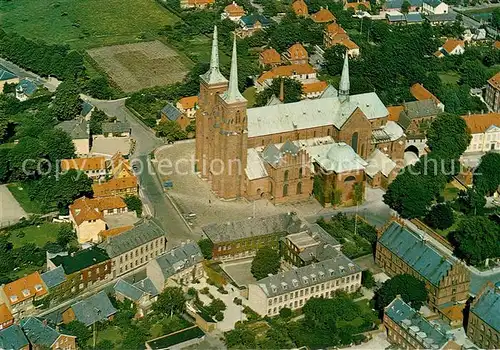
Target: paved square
point(10, 210)
point(239, 271)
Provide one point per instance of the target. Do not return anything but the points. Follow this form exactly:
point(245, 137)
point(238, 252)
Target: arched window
point(299, 188)
point(300, 173)
point(349, 179)
point(354, 142)
point(285, 176)
point(285, 190)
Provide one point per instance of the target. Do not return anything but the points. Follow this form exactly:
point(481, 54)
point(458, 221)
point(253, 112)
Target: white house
point(485, 131)
point(434, 7)
point(451, 47)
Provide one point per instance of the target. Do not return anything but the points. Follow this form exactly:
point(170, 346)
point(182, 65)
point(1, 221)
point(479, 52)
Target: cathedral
point(335, 144)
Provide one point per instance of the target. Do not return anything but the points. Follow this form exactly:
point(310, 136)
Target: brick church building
point(279, 150)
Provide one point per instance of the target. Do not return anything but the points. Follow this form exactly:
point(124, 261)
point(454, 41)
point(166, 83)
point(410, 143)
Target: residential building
point(421, 93)
point(314, 90)
point(269, 57)
point(485, 132)
point(401, 250)
point(171, 113)
point(143, 294)
point(293, 288)
point(118, 186)
point(296, 54)
point(395, 5)
point(188, 106)
point(79, 131)
point(21, 295)
point(96, 308)
point(233, 11)
point(334, 34)
point(116, 129)
point(451, 47)
point(82, 269)
point(357, 5)
point(54, 279)
point(483, 326)
point(434, 7)
point(251, 24)
point(7, 77)
point(381, 170)
point(417, 116)
point(414, 18)
point(310, 246)
point(88, 215)
point(445, 18)
point(6, 318)
point(134, 248)
point(177, 267)
point(300, 9)
point(13, 338)
point(395, 17)
point(303, 73)
point(408, 329)
point(25, 89)
point(118, 167)
point(323, 16)
point(94, 168)
point(42, 336)
point(186, 4)
point(492, 95)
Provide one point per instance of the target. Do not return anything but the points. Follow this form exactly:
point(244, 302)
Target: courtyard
point(239, 271)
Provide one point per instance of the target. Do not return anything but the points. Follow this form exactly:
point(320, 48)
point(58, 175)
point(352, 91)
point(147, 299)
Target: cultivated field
point(85, 23)
point(141, 65)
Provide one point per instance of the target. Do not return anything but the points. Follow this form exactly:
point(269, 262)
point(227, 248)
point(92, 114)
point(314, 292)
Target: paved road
point(151, 189)
point(50, 84)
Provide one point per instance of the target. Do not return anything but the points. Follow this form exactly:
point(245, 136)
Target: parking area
point(10, 210)
point(239, 271)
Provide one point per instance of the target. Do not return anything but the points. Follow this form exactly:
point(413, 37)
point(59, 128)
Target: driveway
point(10, 210)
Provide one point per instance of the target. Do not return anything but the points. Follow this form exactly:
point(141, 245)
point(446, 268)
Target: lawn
point(450, 192)
point(85, 24)
point(250, 95)
point(449, 77)
point(46, 232)
point(111, 333)
point(21, 195)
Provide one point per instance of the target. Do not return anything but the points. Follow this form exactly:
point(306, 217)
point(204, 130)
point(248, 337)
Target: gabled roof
point(270, 56)
point(452, 44)
point(39, 333)
point(323, 16)
point(379, 162)
point(297, 52)
point(355, 5)
point(140, 234)
point(54, 277)
point(147, 286)
point(80, 260)
point(114, 231)
point(487, 306)
point(318, 86)
point(13, 338)
point(116, 127)
point(179, 258)
point(255, 166)
point(171, 112)
point(250, 20)
point(233, 9)
point(495, 81)
point(286, 71)
point(395, 16)
point(421, 93)
point(414, 17)
point(334, 29)
point(188, 102)
point(479, 123)
point(128, 290)
point(396, 4)
point(84, 164)
point(115, 184)
point(85, 209)
point(433, 3)
point(442, 17)
point(77, 129)
point(25, 288)
point(337, 157)
point(5, 314)
point(394, 112)
point(300, 8)
point(417, 253)
point(6, 74)
point(417, 109)
point(86, 108)
point(94, 309)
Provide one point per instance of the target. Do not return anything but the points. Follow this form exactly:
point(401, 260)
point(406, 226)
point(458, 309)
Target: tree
point(67, 104)
point(96, 119)
point(206, 247)
point(334, 59)
point(474, 74)
point(98, 87)
point(405, 7)
point(440, 216)
point(448, 136)
point(367, 279)
point(495, 18)
point(240, 338)
point(471, 202)
point(266, 261)
point(292, 90)
point(286, 313)
point(65, 235)
point(411, 290)
point(80, 331)
point(170, 130)
point(476, 239)
point(170, 301)
point(487, 175)
point(56, 145)
point(134, 203)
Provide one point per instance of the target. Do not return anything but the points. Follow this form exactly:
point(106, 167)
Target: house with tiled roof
point(79, 131)
point(357, 5)
point(299, 7)
point(304, 73)
point(269, 57)
point(119, 167)
point(492, 94)
point(170, 113)
point(82, 269)
point(135, 247)
point(401, 249)
point(485, 132)
point(417, 116)
point(421, 93)
point(179, 266)
point(395, 5)
point(88, 215)
point(188, 106)
point(7, 77)
point(483, 326)
point(187, 4)
point(54, 278)
point(87, 109)
point(20, 294)
point(394, 113)
point(334, 34)
point(251, 24)
point(408, 329)
point(123, 186)
point(143, 294)
point(434, 7)
point(323, 16)
point(6, 318)
point(296, 54)
point(94, 167)
point(233, 11)
point(96, 308)
point(41, 335)
point(451, 47)
point(13, 338)
point(314, 89)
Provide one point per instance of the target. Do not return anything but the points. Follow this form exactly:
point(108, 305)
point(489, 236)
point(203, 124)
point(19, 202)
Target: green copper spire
point(233, 94)
point(214, 76)
point(344, 79)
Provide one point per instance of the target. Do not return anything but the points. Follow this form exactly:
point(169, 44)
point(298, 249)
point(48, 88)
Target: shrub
point(219, 316)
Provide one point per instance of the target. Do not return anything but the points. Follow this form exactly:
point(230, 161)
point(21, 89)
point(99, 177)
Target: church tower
point(344, 85)
point(231, 113)
point(212, 83)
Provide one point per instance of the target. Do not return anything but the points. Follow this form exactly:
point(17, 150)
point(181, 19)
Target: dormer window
point(332, 272)
point(13, 298)
point(26, 292)
point(38, 287)
point(274, 289)
point(313, 277)
point(321, 274)
point(284, 285)
point(295, 283)
point(305, 280)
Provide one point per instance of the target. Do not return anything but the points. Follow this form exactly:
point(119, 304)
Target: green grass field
point(449, 77)
point(22, 197)
point(47, 232)
point(85, 24)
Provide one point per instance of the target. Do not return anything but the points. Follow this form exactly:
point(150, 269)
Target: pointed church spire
point(214, 76)
point(233, 94)
point(344, 79)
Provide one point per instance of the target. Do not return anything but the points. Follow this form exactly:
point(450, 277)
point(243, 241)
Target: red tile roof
point(269, 56)
point(84, 164)
point(421, 93)
point(319, 86)
point(479, 123)
point(5, 315)
point(297, 52)
point(300, 8)
point(234, 10)
point(355, 5)
point(394, 112)
point(117, 184)
point(451, 44)
point(323, 16)
point(85, 209)
point(286, 71)
point(25, 288)
point(188, 102)
point(495, 81)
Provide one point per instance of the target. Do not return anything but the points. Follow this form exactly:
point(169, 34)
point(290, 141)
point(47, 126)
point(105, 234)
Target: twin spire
point(214, 76)
point(345, 85)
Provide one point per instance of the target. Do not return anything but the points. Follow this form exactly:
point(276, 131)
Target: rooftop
point(115, 184)
point(6, 74)
point(318, 86)
point(5, 314)
point(286, 71)
point(379, 162)
point(495, 81)
point(250, 20)
point(300, 7)
point(442, 17)
point(270, 56)
point(39, 333)
point(13, 338)
point(233, 9)
point(86, 108)
point(297, 52)
point(179, 258)
point(421, 93)
point(323, 16)
point(54, 277)
point(480, 123)
point(189, 102)
point(487, 306)
point(396, 4)
point(27, 86)
point(337, 157)
point(451, 44)
point(417, 109)
point(25, 288)
point(80, 260)
point(75, 128)
point(85, 209)
point(116, 127)
point(84, 164)
point(96, 308)
point(171, 112)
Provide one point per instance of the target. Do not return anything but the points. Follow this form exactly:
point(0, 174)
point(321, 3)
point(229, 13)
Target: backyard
point(22, 197)
point(85, 24)
point(39, 235)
